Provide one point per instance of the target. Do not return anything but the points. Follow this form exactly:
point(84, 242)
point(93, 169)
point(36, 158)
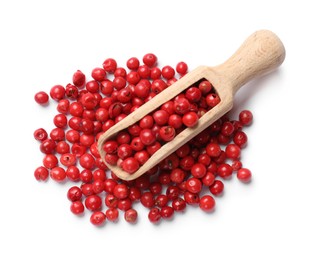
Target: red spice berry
point(74, 193)
point(177, 175)
point(147, 137)
point(77, 207)
point(41, 173)
point(40, 134)
point(190, 119)
point(236, 165)
point(110, 146)
point(181, 68)
point(130, 165)
point(57, 134)
point(193, 185)
point(58, 174)
point(93, 202)
point(73, 173)
point(167, 212)
point(213, 150)
point(112, 214)
point(60, 120)
point(149, 59)
point(57, 92)
point(198, 170)
point(133, 63)
point(97, 218)
point(147, 199)
point(111, 201)
point(121, 191)
point(144, 71)
point(227, 129)
point(167, 133)
point(50, 161)
point(240, 138)
point(245, 117)
point(87, 161)
point(178, 204)
point(41, 98)
point(208, 179)
point(78, 79)
point(172, 192)
point(191, 198)
point(154, 215)
point(124, 204)
point(160, 117)
point(71, 91)
point(244, 175)
point(158, 86)
point(224, 170)
point(98, 74)
point(130, 215)
point(89, 101)
point(63, 106)
point(207, 203)
point(141, 90)
point(47, 146)
point(141, 157)
point(205, 87)
point(193, 94)
point(124, 151)
point(181, 105)
point(168, 72)
point(232, 151)
point(217, 187)
point(175, 121)
point(110, 65)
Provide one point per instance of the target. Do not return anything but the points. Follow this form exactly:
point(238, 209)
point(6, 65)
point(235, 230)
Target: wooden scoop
point(259, 54)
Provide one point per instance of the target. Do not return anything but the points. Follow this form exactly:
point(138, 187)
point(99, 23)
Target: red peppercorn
point(245, 117)
point(112, 214)
point(74, 193)
point(181, 68)
point(40, 134)
point(41, 98)
point(93, 202)
point(130, 215)
point(168, 72)
point(147, 199)
point(133, 63)
point(207, 203)
point(154, 215)
point(232, 151)
point(167, 133)
point(109, 65)
point(244, 175)
point(130, 165)
point(41, 173)
point(149, 59)
point(240, 138)
point(97, 218)
point(194, 185)
point(217, 187)
point(57, 92)
point(190, 119)
point(58, 174)
point(77, 207)
point(98, 74)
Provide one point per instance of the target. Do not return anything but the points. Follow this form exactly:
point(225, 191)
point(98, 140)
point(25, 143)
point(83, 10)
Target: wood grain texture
point(259, 54)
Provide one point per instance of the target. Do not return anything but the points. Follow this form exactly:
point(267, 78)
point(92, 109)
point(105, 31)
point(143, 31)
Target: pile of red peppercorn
point(86, 109)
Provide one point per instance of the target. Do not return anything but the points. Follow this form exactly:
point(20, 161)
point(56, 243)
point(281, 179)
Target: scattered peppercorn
point(86, 109)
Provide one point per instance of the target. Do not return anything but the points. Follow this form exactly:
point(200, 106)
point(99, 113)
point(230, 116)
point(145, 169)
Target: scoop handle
point(262, 52)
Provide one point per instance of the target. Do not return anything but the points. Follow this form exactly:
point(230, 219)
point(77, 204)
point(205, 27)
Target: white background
point(274, 217)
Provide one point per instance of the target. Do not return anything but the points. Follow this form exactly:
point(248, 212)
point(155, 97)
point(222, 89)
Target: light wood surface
point(262, 52)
